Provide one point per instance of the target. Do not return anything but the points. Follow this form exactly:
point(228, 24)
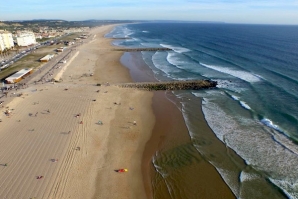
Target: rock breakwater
point(172, 85)
point(140, 49)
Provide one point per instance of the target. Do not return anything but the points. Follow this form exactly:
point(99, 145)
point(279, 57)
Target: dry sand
point(43, 127)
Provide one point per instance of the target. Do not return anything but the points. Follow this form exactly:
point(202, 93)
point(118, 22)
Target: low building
point(18, 76)
point(46, 58)
point(84, 36)
point(26, 39)
point(61, 49)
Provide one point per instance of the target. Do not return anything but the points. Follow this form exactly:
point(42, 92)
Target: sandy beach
point(195, 179)
point(76, 134)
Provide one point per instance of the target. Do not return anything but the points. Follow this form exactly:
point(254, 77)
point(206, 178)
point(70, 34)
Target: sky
point(229, 11)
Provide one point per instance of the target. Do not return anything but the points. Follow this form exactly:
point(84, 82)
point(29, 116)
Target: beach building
point(61, 49)
point(26, 39)
point(84, 36)
point(46, 58)
point(1, 45)
point(18, 76)
point(6, 40)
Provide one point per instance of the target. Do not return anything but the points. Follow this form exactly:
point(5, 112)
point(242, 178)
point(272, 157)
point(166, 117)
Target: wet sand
point(53, 131)
point(195, 178)
point(188, 174)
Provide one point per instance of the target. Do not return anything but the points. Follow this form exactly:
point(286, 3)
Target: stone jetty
point(141, 49)
point(172, 85)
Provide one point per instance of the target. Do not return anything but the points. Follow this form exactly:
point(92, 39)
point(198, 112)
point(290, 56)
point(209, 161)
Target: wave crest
point(246, 76)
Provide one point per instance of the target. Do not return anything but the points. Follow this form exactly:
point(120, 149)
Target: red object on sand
point(122, 170)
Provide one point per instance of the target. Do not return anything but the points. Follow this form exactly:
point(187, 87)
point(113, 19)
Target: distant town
point(21, 38)
point(13, 41)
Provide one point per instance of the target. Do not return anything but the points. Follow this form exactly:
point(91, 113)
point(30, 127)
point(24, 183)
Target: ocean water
point(254, 110)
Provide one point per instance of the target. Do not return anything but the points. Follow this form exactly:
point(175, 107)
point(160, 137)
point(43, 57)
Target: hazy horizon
point(228, 11)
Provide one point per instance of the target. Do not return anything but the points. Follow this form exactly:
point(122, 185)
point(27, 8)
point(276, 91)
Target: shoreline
point(167, 130)
point(60, 121)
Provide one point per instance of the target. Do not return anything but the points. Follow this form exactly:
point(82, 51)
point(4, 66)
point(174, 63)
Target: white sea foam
point(246, 76)
point(153, 45)
point(160, 63)
point(235, 97)
point(174, 60)
point(145, 31)
point(122, 31)
point(204, 93)
point(245, 176)
point(226, 175)
point(282, 139)
point(259, 76)
point(228, 85)
point(270, 124)
point(288, 188)
point(183, 63)
point(242, 103)
point(257, 145)
point(245, 105)
point(127, 32)
point(176, 48)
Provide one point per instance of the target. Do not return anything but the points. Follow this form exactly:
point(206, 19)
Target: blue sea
point(254, 110)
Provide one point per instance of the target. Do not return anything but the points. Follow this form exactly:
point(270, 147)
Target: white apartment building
point(6, 40)
point(26, 39)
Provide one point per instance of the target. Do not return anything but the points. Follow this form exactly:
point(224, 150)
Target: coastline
point(230, 112)
point(89, 153)
point(170, 132)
